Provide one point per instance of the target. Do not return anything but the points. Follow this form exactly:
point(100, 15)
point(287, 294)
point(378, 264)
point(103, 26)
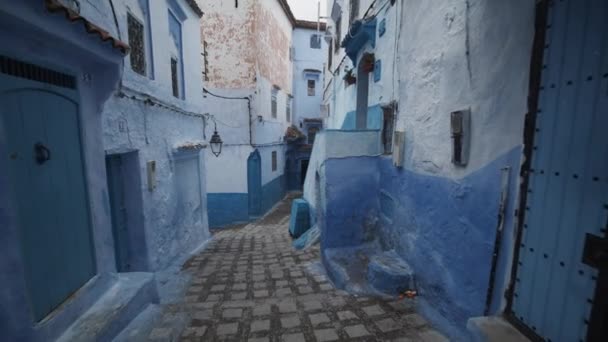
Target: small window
point(136, 42)
point(330, 54)
point(274, 160)
point(174, 77)
point(388, 128)
point(176, 53)
point(288, 109)
point(311, 87)
point(315, 41)
point(273, 102)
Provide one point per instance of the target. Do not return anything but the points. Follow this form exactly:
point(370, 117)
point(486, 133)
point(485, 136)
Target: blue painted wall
point(225, 209)
point(374, 119)
point(272, 193)
point(352, 204)
point(444, 228)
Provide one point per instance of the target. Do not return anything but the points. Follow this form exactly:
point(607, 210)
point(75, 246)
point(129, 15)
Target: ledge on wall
point(360, 32)
point(190, 146)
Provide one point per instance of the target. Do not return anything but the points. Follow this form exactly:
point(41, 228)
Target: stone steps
point(128, 297)
point(367, 270)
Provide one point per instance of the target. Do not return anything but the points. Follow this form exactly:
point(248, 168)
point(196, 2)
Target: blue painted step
point(389, 274)
point(299, 221)
point(124, 301)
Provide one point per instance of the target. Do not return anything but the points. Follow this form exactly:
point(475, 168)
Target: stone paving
point(251, 285)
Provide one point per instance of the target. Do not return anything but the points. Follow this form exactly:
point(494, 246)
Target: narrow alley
point(250, 284)
point(303, 170)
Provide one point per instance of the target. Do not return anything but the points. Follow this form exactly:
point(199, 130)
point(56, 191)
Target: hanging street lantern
point(216, 142)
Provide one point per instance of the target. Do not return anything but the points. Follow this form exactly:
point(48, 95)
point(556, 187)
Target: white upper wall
point(306, 61)
point(154, 14)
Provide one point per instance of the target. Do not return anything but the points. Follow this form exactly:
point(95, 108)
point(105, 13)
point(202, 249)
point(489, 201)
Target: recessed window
point(175, 50)
point(273, 102)
point(136, 42)
point(388, 128)
point(311, 87)
point(338, 37)
point(315, 41)
point(174, 77)
point(288, 109)
point(274, 160)
point(330, 54)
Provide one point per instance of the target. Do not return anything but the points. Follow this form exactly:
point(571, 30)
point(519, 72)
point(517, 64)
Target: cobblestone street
point(249, 284)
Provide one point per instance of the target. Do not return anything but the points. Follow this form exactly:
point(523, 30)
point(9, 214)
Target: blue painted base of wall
point(375, 118)
point(230, 208)
point(444, 228)
point(272, 193)
point(227, 208)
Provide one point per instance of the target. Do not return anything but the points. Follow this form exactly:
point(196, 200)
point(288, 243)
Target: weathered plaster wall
point(230, 33)
point(491, 79)
point(156, 132)
point(32, 34)
point(272, 42)
point(451, 55)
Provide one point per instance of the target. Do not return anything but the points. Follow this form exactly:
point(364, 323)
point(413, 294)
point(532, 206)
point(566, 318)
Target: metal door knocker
point(42, 153)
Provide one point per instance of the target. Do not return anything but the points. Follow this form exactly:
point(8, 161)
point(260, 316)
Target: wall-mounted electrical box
point(399, 149)
point(460, 127)
point(151, 171)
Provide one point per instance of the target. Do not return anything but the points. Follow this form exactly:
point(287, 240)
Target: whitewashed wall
point(437, 77)
point(305, 106)
point(157, 130)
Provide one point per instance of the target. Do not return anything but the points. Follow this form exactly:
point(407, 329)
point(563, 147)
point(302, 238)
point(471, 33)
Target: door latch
point(41, 153)
point(595, 253)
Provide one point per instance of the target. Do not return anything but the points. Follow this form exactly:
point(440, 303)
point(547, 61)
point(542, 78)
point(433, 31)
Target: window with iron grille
point(354, 11)
point(273, 102)
point(315, 41)
point(311, 87)
point(338, 35)
point(136, 42)
point(174, 77)
point(274, 160)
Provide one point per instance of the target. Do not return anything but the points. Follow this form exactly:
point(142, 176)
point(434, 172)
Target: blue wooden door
point(254, 183)
point(40, 127)
point(567, 195)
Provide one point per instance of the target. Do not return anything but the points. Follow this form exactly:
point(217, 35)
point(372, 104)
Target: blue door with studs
point(39, 122)
point(566, 210)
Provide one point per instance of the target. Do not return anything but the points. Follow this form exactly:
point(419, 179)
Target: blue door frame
point(558, 289)
point(254, 183)
point(39, 118)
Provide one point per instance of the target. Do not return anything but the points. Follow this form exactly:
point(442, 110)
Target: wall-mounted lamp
point(216, 142)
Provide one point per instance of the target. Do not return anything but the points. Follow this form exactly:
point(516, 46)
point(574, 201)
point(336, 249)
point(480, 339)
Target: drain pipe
point(502, 208)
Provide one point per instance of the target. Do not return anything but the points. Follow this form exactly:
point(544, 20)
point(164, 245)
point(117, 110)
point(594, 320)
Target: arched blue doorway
point(254, 183)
